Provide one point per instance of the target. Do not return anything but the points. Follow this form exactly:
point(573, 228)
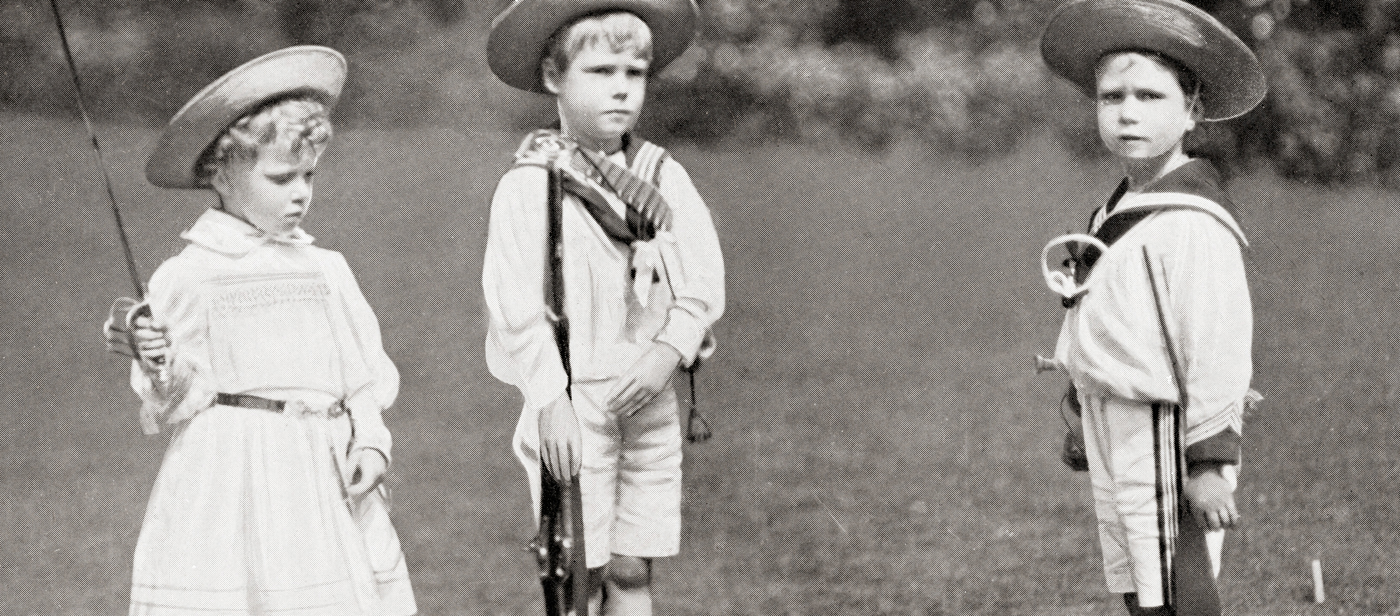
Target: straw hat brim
point(1082, 31)
point(306, 69)
point(518, 36)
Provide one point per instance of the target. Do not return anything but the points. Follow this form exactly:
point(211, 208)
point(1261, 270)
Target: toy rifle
point(559, 544)
point(1073, 451)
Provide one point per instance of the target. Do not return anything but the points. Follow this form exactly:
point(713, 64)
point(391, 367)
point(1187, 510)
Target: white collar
point(225, 233)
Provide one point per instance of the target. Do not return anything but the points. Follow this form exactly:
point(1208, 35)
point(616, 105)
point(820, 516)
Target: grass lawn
point(882, 445)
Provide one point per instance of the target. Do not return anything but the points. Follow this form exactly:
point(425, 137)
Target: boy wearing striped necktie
point(642, 278)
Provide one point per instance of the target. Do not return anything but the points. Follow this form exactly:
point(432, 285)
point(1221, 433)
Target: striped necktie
point(640, 195)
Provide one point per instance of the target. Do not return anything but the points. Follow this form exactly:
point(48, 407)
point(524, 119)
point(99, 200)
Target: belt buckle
point(297, 408)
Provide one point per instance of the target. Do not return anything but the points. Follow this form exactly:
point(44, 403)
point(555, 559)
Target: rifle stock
point(559, 547)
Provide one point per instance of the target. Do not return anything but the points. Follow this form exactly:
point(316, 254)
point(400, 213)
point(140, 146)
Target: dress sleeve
point(372, 380)
point(186, 385)
point(697, 275)
point(1209, 298)
point(520, 346)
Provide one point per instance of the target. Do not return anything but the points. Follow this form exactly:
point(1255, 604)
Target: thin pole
point(1158, 297)
point(96, 148)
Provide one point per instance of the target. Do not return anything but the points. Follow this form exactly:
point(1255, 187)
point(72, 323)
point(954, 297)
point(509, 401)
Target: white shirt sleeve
point(520, 346)
point(1208, 297)
point(697, 276)
point(189, 386)
point(372, 380)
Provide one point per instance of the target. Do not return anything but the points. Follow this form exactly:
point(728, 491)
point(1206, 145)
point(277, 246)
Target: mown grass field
point(882, 446)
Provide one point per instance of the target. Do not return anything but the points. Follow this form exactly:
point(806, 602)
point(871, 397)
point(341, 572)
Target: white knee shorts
point(631, 476)
point(1132, 449)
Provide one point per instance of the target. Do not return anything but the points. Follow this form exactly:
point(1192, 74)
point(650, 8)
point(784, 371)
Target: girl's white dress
point(249, 513)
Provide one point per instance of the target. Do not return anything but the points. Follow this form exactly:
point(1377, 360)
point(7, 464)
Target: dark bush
point(962, 76)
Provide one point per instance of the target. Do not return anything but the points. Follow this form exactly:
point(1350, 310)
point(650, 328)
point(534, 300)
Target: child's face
point(600, 95)
point(1143, 113)
point(271, 193)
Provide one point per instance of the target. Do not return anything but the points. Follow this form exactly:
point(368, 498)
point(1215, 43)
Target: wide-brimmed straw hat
point(306, 69)
point(1082, 31)
point(518, 36)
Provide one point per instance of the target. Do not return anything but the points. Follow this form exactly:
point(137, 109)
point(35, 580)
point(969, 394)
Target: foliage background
point(964, 76)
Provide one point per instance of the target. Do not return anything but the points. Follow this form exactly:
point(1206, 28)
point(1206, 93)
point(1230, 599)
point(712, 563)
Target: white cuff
point(370, 432)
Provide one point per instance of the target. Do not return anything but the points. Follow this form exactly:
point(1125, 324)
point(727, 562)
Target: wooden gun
point(559, 544)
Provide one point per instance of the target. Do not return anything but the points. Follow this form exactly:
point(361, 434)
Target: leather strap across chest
point(646, 211)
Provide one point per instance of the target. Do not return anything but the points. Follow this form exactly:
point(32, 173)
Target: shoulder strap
point(540, 147)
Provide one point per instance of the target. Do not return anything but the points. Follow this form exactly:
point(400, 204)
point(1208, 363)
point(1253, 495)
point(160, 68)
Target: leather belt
point(291, 407)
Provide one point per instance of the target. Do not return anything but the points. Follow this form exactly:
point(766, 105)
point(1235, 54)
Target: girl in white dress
point(258, 353)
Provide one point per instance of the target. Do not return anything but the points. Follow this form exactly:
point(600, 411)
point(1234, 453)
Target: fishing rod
point(124, 310)
point(97, 149)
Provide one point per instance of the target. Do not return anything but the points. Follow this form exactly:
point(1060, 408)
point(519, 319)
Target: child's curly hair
point(300, 123)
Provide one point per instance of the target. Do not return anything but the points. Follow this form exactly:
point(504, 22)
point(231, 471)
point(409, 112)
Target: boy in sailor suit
point(1157, 335)
point(642, 273)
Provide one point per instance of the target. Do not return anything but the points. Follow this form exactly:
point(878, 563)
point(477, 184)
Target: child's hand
point(149, 337)
point(646, 378)
point(115, 329)
point(561, 443)
point(367, 468)
point(1212, 501)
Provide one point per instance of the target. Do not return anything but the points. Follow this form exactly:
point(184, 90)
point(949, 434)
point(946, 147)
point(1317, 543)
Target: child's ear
point(549, 74)
point(219, 181)
point(1195, 110)
point(222, 181)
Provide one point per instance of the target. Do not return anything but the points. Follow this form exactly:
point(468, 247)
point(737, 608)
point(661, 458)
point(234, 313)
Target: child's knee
point(629, 572)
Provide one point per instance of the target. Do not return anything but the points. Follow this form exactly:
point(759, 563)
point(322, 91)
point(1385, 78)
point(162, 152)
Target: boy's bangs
point(621, 31)
point(1185, 77)
point(1191, 86)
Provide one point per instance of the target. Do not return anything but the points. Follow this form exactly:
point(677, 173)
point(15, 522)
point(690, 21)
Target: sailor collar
point(1193, 186)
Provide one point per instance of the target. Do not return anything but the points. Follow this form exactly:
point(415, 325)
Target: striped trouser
point(1137, 465)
